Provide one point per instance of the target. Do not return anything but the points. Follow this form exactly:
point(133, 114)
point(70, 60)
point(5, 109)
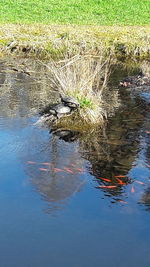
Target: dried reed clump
point(85, 78)
point(145, 67)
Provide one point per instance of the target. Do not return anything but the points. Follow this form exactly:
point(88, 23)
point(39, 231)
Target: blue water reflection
point(52, 214)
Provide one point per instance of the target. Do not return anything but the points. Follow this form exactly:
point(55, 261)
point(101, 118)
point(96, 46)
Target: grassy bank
point(46, 41)
point(87, 12)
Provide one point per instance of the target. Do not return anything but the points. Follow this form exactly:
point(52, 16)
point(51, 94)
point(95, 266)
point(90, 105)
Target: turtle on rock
point(69, 101)
point(52, 113)
point(59, 110)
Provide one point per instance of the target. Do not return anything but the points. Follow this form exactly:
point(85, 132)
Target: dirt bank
point(57, 41)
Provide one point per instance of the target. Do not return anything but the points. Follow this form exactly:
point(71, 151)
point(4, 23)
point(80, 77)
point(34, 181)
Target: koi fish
point(120, 182)
point(148, 132)
point(46, 163)
point(106, 186)
point(104, 179)
point(31, 162)
point(139, 182)
point(43, 169)
point(119, 176)
point(132, 189)
point(68, 170)
point(57, 170)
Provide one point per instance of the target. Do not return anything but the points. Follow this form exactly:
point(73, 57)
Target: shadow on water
point(58, 162)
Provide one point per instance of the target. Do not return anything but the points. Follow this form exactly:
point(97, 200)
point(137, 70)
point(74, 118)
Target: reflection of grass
point(95, 12)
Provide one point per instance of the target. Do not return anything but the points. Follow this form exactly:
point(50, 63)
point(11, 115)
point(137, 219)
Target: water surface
point(53, 212)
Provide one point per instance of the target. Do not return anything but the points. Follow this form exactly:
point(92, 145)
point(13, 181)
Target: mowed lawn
point(85, 12)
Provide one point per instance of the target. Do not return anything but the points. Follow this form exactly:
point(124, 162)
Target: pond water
point(81, 200)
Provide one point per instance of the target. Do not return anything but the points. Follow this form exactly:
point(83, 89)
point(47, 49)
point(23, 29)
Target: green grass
point(82, 12)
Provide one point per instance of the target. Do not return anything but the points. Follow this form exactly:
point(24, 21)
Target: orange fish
point(68, 170)
point(31, 162)
point(148, 132)
point(104, 179)
point(46, 163)
point(57, 170)
point(139, 182)
point(119, 176)
point(120, 182)
point(132, 189)
point(43, 169)
point(106, 186)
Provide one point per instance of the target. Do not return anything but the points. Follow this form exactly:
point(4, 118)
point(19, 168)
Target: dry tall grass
point(85, 78)
point(53, 41)
point(145, 67)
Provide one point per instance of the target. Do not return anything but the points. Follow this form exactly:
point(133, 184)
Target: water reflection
point(54, 170)
point(54, 160)
point(66, 135)
point(118, 151)
point(23, 94)
point(145, 199)
point(52, 166)
point(114, 152)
